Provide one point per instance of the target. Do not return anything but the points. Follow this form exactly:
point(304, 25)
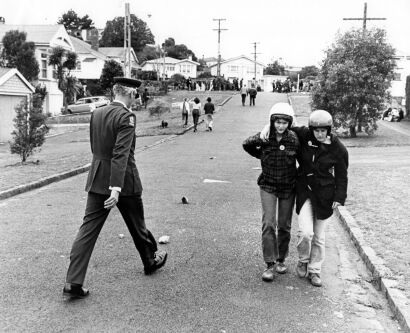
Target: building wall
point(90, 68)
point(241, 68)
point(186, 69)
point(8, 113)
point(398, 87)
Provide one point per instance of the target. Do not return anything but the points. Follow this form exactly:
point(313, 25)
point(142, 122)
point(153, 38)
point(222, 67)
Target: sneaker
point(210, 128)
point(301, 269)
point(281, 268)
point(315, 279)
point(267, 274)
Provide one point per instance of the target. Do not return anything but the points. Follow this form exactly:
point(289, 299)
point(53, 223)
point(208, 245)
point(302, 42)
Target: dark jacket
point(322, 173)
point(112, 138)
point(209, 108)
point(278, 161)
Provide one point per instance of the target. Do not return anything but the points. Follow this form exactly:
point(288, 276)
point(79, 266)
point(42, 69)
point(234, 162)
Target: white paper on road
point(215, 181)
point(257, 168)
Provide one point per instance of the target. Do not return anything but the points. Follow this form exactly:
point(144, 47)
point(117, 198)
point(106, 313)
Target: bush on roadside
point(157, 108)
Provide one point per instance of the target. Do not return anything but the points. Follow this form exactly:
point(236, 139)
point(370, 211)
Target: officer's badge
point(132, 122)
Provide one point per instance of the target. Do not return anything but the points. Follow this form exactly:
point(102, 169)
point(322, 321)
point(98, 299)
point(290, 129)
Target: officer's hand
point(112, 200)
point(335, 204)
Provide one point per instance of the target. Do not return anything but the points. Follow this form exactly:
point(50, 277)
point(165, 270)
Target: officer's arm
point(119, 160)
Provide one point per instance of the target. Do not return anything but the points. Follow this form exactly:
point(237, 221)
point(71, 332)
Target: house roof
point(39, 34)
point(7, 73)
point(168, 60)
point(236, 58)
point(116, 52)
point(81, 47)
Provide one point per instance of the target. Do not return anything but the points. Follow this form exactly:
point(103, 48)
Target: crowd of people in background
point(393, 115)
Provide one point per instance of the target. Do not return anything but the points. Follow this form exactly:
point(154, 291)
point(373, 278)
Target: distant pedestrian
point(401, 115)
point(185, 112)
point(145, 97)
point(196, 112)
point(113, 180)
point(244, 93)
point(252, 95)
point(209, 109)
point(277, 186)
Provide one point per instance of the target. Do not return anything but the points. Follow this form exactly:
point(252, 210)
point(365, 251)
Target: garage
point(14, 89)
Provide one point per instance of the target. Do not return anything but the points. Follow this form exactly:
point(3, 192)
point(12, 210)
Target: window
point(44, 58)
point(397, 77)
point(78, 65)
point(170, 68)
point(233, 68)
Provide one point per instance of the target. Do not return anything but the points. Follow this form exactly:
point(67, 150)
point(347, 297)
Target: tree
point(30, 128)
point(308, 71)
point(274, 69)
point(63, 62)
point(17, 53)
point(73, 23)
point(177, 51)
point(147, 53)
point(113, 34)
point(354, 78)
point(110, 70)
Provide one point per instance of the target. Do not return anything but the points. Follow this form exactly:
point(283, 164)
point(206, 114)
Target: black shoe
point(210, 128)
point(160, 260)
point(75, 291)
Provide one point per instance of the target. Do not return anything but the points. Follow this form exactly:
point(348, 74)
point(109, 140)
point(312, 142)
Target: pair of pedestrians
point(319, 186)
point(252, 92)
point(209, 109)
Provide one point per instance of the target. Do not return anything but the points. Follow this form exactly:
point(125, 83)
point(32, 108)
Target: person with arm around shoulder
point(244, 93)
point(277, 187)
point(113, 180)
point(321, 187)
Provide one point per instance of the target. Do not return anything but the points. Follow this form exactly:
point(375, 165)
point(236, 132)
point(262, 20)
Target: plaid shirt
point(278, 161)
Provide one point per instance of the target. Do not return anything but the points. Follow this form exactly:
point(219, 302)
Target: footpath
point(212, 280)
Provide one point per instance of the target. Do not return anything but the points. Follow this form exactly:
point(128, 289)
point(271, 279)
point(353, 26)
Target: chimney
point(2, 20)
point(93, 37)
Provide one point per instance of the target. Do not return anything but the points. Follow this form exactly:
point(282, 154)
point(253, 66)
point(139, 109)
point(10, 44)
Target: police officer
point(113, 180)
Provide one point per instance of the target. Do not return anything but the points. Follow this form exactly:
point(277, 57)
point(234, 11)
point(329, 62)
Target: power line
point(364, 18)
point(219, 44)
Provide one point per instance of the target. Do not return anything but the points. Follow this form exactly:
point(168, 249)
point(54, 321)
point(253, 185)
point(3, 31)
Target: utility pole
point(364, 18)
point(127, 41)
point(254, 57)
point(219, 45)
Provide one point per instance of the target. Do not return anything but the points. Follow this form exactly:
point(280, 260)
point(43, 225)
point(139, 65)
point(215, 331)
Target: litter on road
point(215, 181)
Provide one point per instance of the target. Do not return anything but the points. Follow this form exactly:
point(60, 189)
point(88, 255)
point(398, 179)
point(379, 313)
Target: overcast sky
point(295, 30)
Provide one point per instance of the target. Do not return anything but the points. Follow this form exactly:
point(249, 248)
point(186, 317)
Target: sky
point(298, 31)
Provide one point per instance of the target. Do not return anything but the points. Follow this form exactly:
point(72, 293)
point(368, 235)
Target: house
point(118, 54)
point(239, 68)
point(45, 37)
point(167, 66)
point(14, 89)
point(90, 62)
point(211, 61)
point(398, 84)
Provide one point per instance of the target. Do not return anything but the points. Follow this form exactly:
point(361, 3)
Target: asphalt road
point(212, 281)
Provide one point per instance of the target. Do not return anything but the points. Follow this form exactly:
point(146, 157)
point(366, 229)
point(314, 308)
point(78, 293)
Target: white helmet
point(320, 118)
point(282, 111)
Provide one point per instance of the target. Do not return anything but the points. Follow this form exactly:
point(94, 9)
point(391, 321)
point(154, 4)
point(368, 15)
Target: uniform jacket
point(112, 138)
point(278, 161)
point(322, 173)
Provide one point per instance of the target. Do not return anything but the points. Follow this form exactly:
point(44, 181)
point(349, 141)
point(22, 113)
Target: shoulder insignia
point(132, 121)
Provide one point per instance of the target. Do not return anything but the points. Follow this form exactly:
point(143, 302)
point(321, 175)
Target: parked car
point(88, 104)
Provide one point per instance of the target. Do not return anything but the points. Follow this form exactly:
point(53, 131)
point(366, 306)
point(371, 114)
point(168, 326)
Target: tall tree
point(177, 51)
point(274, 69)
point(73, 23)
point(63, 62)
point(30, 128)
point(110, 70)
point(113, 34)
point(20, 54)
point(354, 79)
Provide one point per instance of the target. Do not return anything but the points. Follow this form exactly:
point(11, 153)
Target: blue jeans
point(275, 246)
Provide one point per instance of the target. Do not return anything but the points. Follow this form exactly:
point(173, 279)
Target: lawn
point(151, 125)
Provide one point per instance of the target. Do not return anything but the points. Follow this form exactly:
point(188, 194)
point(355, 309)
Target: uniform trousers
point(132, 211)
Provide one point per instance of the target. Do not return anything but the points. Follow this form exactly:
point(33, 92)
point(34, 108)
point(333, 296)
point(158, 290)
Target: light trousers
point(209, 120)
point(311, 238)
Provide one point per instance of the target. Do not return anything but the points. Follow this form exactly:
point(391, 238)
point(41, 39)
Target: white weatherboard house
point(398, 84)
point(168, 66)
point(239, 68)
point(45, 37)
point(89, 61)
point(14, 89)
